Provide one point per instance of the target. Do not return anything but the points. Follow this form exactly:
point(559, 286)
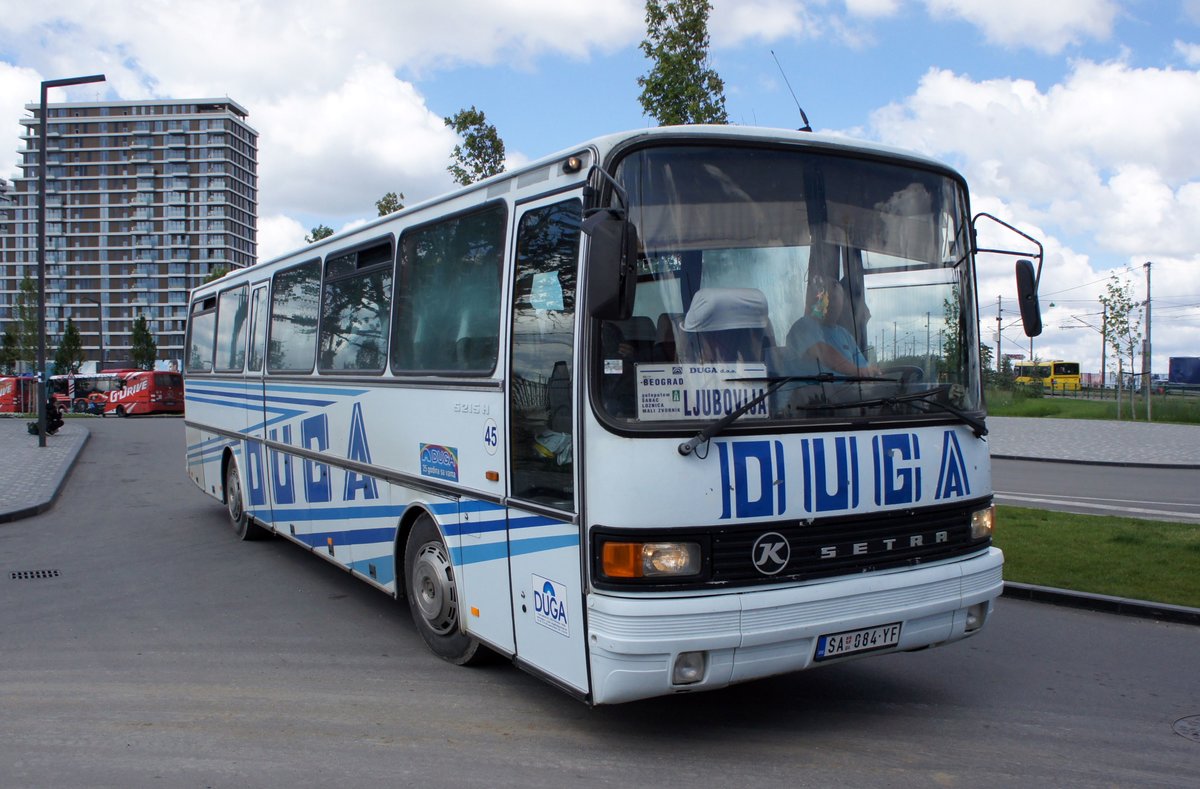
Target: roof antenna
point(803, 117)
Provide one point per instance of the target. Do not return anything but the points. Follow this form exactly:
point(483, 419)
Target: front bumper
point(633, 642)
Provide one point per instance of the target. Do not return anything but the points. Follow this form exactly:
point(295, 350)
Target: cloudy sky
point(1076, 120)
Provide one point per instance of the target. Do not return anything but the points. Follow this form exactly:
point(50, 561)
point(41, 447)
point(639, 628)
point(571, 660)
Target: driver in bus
point(821, 337)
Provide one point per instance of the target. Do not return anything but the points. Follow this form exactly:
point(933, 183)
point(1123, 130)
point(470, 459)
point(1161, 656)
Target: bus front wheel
point(244, 527)
point(433, 597)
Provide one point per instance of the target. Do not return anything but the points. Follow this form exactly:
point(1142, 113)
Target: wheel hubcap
point(433, 588)
point(233, 494)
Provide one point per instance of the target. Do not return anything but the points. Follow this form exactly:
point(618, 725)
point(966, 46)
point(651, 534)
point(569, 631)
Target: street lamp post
point(44, 161)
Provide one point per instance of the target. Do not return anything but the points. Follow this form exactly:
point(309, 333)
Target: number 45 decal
point(491, 436)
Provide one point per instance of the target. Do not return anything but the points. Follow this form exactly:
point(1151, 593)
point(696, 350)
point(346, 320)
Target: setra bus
point(631, 415)
point(1057, 375)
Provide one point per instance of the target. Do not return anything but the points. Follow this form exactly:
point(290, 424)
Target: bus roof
point(602, 147)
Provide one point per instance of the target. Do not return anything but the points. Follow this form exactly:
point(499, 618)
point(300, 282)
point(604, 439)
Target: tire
point(79, 406)
point(121, 411)
point(433, 597)
point(244, 527)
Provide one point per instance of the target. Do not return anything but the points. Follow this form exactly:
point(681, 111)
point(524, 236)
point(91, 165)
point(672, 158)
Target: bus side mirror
point(1031, 313)
point(611, 265)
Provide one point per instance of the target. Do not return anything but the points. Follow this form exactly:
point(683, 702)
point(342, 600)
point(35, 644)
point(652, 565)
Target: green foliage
point(25, 310)
point(1030, 401)
point(389, 203)
point(680, 88)
point(216, 273)
point(319, 232)
point(1122, 323)
point(1124, 557)
point(9, 352)
point(481, 152)
point(145, 349)
point(69, 355)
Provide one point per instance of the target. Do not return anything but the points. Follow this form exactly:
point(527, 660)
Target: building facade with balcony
point(143, 200)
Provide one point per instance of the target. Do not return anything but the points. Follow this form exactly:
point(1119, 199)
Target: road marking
point(1087, 503)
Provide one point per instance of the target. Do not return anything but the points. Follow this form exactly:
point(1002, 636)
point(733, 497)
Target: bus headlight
point(982, 523)
point(649, 559)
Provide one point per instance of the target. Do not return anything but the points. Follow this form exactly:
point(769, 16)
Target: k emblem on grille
point(770, 553)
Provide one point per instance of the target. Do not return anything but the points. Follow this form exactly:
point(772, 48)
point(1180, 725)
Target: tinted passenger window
point(232, 312)
point(201, 335)
point(258, 332)
point(354, 310)
point(448, 295)
point(294, 303)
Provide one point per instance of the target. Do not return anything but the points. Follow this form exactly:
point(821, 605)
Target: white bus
point(647, 416)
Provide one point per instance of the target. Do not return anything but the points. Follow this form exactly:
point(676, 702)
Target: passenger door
point(544, 534)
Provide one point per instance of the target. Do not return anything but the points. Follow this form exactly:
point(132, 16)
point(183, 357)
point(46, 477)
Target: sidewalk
point(1094, 441)
point(31, 476)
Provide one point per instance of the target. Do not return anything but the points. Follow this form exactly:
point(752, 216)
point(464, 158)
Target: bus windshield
point(845, 281)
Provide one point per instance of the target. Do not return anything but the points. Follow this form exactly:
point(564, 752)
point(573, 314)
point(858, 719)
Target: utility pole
point(999, 312)
point(1103, 341)
point(1146, 359)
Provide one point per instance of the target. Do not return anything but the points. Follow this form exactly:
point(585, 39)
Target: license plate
point(838, 644)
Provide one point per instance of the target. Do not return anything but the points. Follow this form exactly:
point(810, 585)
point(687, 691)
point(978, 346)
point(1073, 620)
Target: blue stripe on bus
point(538, 544)
point(349, 537)
point(487, 552)
point(340, 513)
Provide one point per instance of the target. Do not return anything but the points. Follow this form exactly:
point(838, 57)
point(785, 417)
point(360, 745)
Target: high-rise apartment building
point(143, 200)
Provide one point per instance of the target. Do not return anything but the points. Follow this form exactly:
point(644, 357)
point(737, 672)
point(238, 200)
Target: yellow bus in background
point(1057, 376)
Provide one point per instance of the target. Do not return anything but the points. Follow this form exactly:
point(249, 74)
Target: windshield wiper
point(977, 425)
point(776, 381)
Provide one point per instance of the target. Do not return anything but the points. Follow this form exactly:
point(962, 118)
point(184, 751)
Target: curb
point(7, 516)
point(1163, 612)
point(1112, 463)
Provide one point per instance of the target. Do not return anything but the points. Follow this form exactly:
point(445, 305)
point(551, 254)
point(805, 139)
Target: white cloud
point(1038, 24)
point(872, 8)
point(1189, 52)
point(732, 24)
point(278, 234)
point(1106, 159)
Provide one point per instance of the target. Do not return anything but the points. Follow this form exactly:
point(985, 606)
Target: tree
point(216, 273)
point(1123, 327)
point(389, 203)
point(681, 88)
point(319, 232)
point(9, 352)
point(69, 355)
point(144, 350)
point(25, 310)
point(481, 153)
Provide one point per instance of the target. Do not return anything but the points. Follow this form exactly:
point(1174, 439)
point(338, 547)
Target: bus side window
point(292, 345)
point(448, 295)
point(232, 311)
point(202, 336)
point(258, 331)
point(354, 310)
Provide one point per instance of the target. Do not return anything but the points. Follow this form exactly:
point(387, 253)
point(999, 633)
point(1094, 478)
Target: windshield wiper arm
point(776, 381)
point(977, 425)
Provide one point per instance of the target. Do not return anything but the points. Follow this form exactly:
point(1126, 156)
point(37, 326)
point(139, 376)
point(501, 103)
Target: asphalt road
point(165, 653)
point(1152, 493)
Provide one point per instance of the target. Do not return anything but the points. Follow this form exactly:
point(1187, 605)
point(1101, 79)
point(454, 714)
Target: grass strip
point(1125, 557)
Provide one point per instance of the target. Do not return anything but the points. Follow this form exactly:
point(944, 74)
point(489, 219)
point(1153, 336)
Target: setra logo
point(770, 553)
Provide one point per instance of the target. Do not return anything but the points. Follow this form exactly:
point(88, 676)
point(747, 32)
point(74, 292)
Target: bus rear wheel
point(244, 527)
point(121, 411)
point(433, 597)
